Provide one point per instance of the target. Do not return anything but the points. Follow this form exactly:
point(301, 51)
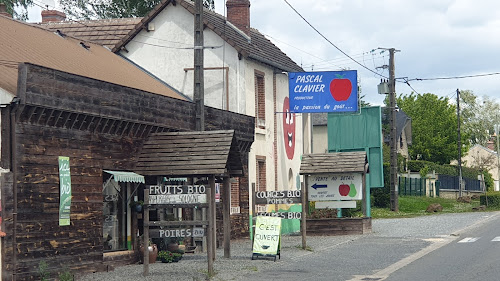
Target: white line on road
point(469, 240)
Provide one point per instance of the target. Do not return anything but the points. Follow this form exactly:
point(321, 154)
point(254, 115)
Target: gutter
point(273, 64)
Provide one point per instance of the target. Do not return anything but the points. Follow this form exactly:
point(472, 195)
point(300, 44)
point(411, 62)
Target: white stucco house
point(244, 72)
point(481, 157)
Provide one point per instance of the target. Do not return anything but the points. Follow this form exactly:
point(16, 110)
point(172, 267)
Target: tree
point(18, 8)
point(434, 127)
point(104, 9)
point(479, 116)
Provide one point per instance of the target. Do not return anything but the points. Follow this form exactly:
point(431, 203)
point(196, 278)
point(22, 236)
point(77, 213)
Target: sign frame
point(328, 91)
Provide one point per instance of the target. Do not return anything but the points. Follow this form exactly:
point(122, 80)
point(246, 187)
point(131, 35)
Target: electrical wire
point(340, 50)
point(455, 77)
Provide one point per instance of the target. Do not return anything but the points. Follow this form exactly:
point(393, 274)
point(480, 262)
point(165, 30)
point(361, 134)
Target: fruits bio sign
point(331, 91)
point(331, 187)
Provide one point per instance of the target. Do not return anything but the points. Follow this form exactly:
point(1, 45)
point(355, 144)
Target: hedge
point(493, 199)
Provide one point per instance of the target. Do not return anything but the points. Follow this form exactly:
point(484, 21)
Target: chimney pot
point(3, 10)
point(238, 13)
point(52, 16)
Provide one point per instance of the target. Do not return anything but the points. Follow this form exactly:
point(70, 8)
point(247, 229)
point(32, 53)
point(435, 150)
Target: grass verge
point(413, 206)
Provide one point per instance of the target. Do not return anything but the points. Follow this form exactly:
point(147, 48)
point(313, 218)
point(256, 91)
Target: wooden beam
point(226, 216)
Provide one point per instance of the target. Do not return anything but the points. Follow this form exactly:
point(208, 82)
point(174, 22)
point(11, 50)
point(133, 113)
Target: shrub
point(490, 199)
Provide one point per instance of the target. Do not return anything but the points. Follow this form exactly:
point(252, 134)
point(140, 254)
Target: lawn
point(412, 206)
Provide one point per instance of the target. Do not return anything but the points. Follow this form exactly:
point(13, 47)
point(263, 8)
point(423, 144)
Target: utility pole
point(459, 142)
point(394, 152)
point(497, 131)
point(198, 89)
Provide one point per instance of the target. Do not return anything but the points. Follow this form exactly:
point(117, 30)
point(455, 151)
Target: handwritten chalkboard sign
point(64, 191)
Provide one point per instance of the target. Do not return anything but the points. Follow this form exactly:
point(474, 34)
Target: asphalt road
point(422, 248)
point(473, 256)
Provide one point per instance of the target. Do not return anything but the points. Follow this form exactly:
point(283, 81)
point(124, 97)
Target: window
point(115, 215)
point(260, 100)
point(261, 173)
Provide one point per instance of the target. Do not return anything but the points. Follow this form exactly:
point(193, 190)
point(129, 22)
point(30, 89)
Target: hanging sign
point(329, 91)
point(177, 194)
point(267, 235)
point(64, 191)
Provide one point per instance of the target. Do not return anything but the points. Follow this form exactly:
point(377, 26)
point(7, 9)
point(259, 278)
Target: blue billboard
point(330, 91)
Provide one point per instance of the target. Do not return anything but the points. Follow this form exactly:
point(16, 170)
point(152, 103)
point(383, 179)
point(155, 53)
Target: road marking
point(496, 239)
point(469, 240)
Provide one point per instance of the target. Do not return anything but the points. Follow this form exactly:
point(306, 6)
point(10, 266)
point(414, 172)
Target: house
point(403, 131)
point(483, 158)
point(72, 105)
point(244, 73)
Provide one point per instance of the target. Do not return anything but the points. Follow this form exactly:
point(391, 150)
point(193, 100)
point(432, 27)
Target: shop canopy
point(120, 176)
point(199, 153)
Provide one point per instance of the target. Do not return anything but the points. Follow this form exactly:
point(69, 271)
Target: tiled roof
point(22, 42)
point(106, 32)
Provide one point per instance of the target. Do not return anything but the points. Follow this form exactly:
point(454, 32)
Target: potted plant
point(176, 257)
point(165, 256)
point(136, 205)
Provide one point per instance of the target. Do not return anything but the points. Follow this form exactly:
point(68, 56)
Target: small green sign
point(64, 190)
point(267, 235)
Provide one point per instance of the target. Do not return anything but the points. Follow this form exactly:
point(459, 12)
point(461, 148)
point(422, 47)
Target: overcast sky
point(444, 38)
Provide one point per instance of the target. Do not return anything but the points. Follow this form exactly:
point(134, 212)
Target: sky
point(434, 39)
point(444, 38)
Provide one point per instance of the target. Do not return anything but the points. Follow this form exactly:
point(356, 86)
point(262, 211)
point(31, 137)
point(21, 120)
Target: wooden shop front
point(101, 128)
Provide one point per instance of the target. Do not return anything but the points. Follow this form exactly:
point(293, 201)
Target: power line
point(455, 77)
point(340, 50)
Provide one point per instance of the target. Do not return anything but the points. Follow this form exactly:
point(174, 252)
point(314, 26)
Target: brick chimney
point(52, 16)
point(3, 10)
point(238, 13)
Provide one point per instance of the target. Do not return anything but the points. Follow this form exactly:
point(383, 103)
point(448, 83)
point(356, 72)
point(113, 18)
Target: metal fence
point(451, 182)
point(411, 186)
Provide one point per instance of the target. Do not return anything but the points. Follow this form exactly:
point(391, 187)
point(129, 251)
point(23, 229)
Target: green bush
point(381, 197)
point(492, 198)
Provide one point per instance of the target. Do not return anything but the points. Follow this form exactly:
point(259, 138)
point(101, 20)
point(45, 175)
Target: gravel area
point(194, 266)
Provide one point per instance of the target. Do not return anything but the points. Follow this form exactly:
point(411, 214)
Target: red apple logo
point(341, 89)
point(344, 189)
point(288, 129)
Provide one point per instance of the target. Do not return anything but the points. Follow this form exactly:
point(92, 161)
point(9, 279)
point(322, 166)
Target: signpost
point(173, 196)
point(330, 91)
point(280, 197)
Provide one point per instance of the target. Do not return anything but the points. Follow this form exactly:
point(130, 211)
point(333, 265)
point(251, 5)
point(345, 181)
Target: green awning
point(120, 176)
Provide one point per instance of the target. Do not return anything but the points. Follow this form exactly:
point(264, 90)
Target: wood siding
point(98, 126)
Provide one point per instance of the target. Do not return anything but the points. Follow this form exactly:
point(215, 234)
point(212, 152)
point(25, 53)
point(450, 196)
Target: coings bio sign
point(331, 91)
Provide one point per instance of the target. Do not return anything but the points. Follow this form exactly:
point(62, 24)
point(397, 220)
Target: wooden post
point(145, 233)
point(214, 216)
point(303, 218)
point(364, 206)
point(210, 231)
point(226, 216)
point(253, 211)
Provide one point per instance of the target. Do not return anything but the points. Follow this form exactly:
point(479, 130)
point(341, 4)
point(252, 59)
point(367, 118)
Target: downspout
point(13, 161)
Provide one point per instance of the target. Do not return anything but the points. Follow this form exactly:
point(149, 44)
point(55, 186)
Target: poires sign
point(331, 91)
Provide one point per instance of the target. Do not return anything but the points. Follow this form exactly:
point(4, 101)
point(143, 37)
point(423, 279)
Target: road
point(443, 247)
